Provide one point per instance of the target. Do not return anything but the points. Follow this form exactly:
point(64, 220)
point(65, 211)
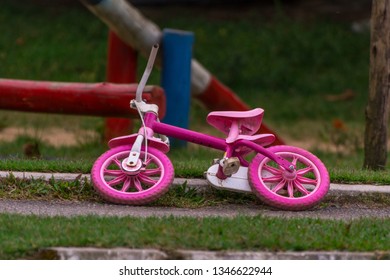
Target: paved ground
point(69, 208)
point(153, 254)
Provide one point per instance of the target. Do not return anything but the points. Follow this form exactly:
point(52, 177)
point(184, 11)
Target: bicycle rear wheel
point(277, 187)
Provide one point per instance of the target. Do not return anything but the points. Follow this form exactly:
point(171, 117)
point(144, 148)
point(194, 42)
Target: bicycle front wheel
point(144, 185)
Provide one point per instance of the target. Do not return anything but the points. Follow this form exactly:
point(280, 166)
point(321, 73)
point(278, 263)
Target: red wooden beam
point(93, 99)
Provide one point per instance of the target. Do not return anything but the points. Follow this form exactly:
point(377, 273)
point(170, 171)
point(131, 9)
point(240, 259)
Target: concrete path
point(197, 183)
point(71, 208)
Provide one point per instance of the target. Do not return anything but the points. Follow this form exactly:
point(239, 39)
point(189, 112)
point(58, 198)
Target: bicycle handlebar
point(148, 70)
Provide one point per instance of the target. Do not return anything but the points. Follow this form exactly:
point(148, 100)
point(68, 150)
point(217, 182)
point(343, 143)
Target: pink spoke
point(295, 160)
point(148, 161)
point(146, 179)
point(272, 179)
point(290, 189)
point(126, 185)
point(137, 184)
point(304, 171)
point(117, 162)
point(279, 186)
point(301, 188)
point(151, 172)
point(117, 180)
point(112, 172)
point(305, 180)
point(272, 170)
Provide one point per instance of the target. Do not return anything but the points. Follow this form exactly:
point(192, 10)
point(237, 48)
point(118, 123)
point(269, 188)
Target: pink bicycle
point(135, 170)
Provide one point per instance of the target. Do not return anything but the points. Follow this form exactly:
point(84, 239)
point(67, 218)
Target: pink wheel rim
point(290, 185)
point(113, 175)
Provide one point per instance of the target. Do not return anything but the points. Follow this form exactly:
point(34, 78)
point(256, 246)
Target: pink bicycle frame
point(211, 141)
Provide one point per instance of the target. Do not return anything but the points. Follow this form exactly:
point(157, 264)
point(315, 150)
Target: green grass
point(285, 66)
point(23, 236)
point(264, 62)
point(40, 189)
point(51, 43)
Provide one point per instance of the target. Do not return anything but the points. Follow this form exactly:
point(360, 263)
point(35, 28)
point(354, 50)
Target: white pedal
point(238, 182)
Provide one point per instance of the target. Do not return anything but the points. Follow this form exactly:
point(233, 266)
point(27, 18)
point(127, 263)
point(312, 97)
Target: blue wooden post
point(176, 77)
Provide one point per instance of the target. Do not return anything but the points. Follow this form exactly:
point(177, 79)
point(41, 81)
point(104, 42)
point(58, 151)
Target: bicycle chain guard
point(238, 182)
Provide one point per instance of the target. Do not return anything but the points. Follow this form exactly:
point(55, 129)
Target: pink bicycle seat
point(249, 122)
